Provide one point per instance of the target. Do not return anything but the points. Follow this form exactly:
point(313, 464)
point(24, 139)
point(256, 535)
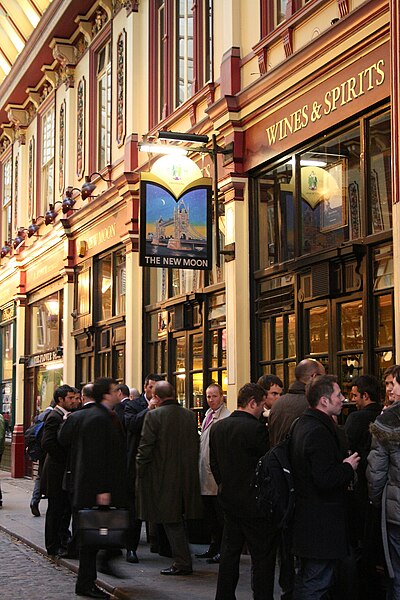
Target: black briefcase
point(103, 527)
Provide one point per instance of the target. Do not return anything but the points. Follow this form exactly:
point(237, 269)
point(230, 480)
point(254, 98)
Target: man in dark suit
point(236, 444)
point(100, 474)
point(67, 437)
point(58, 507)
point(123, 397)
point(322, 473)
point(134, 413)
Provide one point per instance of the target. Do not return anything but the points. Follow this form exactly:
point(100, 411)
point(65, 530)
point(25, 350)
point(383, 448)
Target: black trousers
point(262, 545)
point(58, 516)
point(214, 518)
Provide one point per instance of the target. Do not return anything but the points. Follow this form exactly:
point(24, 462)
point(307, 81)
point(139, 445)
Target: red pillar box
point(18, 452)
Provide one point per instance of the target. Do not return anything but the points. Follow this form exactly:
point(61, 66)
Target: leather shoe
point(92, 592)
point(214, 560)
point(207, 554)
point(175, 571)
point(35, 509)
point(131, 556)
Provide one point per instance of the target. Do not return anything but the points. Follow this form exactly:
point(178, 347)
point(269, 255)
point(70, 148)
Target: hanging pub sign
point(175, 215)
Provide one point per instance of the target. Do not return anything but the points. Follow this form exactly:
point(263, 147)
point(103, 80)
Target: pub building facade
point(303, 94)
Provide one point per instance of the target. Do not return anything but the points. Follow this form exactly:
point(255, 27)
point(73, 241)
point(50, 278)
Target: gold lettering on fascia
point(101, 236)
point(351, 89)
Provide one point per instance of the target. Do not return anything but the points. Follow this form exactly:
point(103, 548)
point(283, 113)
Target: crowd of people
point(109, 445)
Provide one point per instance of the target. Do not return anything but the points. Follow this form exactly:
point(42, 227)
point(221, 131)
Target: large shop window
point(46, 321)
point(111, 271)
point(180, 52)
point(337, 197)
point(6, 192)
point(7, 353)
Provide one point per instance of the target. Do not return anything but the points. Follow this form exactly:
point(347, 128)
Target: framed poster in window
point(334, 202)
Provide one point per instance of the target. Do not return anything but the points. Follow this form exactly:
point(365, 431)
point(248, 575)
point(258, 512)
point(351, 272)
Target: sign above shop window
point(175, 215)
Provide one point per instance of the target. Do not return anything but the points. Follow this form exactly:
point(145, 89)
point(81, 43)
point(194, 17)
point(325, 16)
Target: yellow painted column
point(134, 321)
point(68, 324)
point(237, 283)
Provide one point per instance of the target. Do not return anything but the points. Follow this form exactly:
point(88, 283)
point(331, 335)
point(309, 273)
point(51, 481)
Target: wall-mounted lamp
point(89, 187)
point(23, 360)
point(6, 249)
point(68, 202)
point(50, 215)
point(19, 238)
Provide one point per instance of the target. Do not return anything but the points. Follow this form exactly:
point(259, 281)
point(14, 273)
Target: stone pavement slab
point(138, 581)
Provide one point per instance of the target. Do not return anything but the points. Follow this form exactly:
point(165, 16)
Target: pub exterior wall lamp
point(6, 249)
point(88, 187)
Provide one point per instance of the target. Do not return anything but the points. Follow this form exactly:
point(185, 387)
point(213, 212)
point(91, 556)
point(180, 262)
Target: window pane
point(184, 51)
point(214, 349)
point(383, 267)
point(380, 195)
point(385, 320)
point(266, 340)
point(318, 329)
point(280, 10)
point(105, 288)
point(180, 354)
point(278, 342)
point(276, 206)
point(197, 352)
point(180, 388)
point(351, 320)
point(351, 366)
point(7, 348)
point(120, 282)
point(83, 285)
point(197, 386)
point(120, 364)
point(291, 336)
point(45, 324)
point(326, 173)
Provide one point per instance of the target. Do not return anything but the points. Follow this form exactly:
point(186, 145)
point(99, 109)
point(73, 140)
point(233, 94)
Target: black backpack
point(33, 437)
point(274, 484)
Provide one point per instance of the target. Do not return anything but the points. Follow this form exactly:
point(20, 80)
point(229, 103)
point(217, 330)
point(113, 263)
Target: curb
point(116, 593)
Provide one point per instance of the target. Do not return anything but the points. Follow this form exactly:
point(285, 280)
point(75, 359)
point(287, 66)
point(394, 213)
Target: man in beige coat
point(208, 487)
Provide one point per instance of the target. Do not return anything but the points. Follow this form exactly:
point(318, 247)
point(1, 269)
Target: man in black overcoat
point(135, 412)
point(100, 474)
point(236, 445)
point(322, 473)
point(58, 512)
point(67, 437)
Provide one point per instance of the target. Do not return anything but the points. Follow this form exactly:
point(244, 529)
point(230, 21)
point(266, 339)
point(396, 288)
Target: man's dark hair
point(124, 389)
point(164, 389)
point(391, 371)
point(320, 386)
point(368, 384)
point(152, 377)
point(87, 390)
point(249, 392)
point(101, 387)
point(396, 373)
point(61, 392)
point(267, 380)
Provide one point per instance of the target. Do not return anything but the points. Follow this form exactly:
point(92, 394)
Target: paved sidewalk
point(139, 581)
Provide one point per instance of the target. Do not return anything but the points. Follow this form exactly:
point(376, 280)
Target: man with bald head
point(168, 488)
point(291, 405)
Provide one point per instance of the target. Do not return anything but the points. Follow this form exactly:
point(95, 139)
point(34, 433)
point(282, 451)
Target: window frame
point(163, 43)
point(7, 201)
point(47, 163)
